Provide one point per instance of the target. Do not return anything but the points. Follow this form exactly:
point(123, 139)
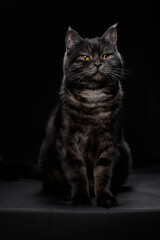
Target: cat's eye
point(85, 57)
point(106, 56)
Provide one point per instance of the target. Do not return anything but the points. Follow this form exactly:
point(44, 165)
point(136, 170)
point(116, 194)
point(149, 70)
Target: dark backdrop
point(31, 55)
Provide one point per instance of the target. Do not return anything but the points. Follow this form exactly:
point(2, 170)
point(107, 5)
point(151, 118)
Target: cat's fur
point(84, 151)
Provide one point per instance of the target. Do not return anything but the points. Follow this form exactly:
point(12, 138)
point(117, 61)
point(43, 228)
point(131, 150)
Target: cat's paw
point(106, 200)
point(81, 199)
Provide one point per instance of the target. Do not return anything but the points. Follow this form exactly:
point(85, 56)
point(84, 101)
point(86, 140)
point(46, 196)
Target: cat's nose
point(97, 64)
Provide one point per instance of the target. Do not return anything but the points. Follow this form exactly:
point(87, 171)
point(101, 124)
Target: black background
point(31, 57)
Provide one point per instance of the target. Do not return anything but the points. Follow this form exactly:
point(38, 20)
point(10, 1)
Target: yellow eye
point(86, 58)
point(106, 56)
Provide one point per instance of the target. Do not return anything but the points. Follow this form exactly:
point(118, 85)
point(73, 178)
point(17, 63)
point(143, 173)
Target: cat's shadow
point(50, 200)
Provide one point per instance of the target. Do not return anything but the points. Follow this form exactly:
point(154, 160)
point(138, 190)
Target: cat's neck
point(89, 87)
point(91, 96)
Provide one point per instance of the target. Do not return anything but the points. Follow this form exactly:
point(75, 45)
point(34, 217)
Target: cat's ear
point(111, 35)
point(72, 38)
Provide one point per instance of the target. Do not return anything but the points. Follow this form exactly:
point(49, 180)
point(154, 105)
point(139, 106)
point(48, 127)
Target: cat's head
point(95, 60)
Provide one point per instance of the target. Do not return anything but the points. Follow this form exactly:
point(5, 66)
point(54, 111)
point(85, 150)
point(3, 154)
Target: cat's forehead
point(92, 45)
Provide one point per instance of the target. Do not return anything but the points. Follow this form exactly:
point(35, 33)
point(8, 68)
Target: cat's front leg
point(76, 174)
point(102, 178)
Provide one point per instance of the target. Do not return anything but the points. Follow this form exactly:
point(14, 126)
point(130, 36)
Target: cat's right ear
point(72, 38)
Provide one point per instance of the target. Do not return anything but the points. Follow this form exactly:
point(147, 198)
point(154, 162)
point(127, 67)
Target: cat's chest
point(89, 106)
point(92, 97)
point(94, 108)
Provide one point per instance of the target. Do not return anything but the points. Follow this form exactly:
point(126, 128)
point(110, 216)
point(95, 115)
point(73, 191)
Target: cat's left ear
point(72, 38)
point(111, 35)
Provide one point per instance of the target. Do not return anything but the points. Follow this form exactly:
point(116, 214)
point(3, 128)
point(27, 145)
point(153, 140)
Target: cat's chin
point(98, 76)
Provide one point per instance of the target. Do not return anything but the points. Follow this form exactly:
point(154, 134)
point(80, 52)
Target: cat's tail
point(13, 172)
point(31, 171)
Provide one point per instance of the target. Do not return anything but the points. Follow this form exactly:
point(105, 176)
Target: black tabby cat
point(84, 151)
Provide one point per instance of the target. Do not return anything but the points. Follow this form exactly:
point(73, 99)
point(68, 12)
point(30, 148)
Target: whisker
point(113, 77)
point(125, 72)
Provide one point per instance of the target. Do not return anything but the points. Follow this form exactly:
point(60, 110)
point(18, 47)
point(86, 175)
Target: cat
point(84, 153)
